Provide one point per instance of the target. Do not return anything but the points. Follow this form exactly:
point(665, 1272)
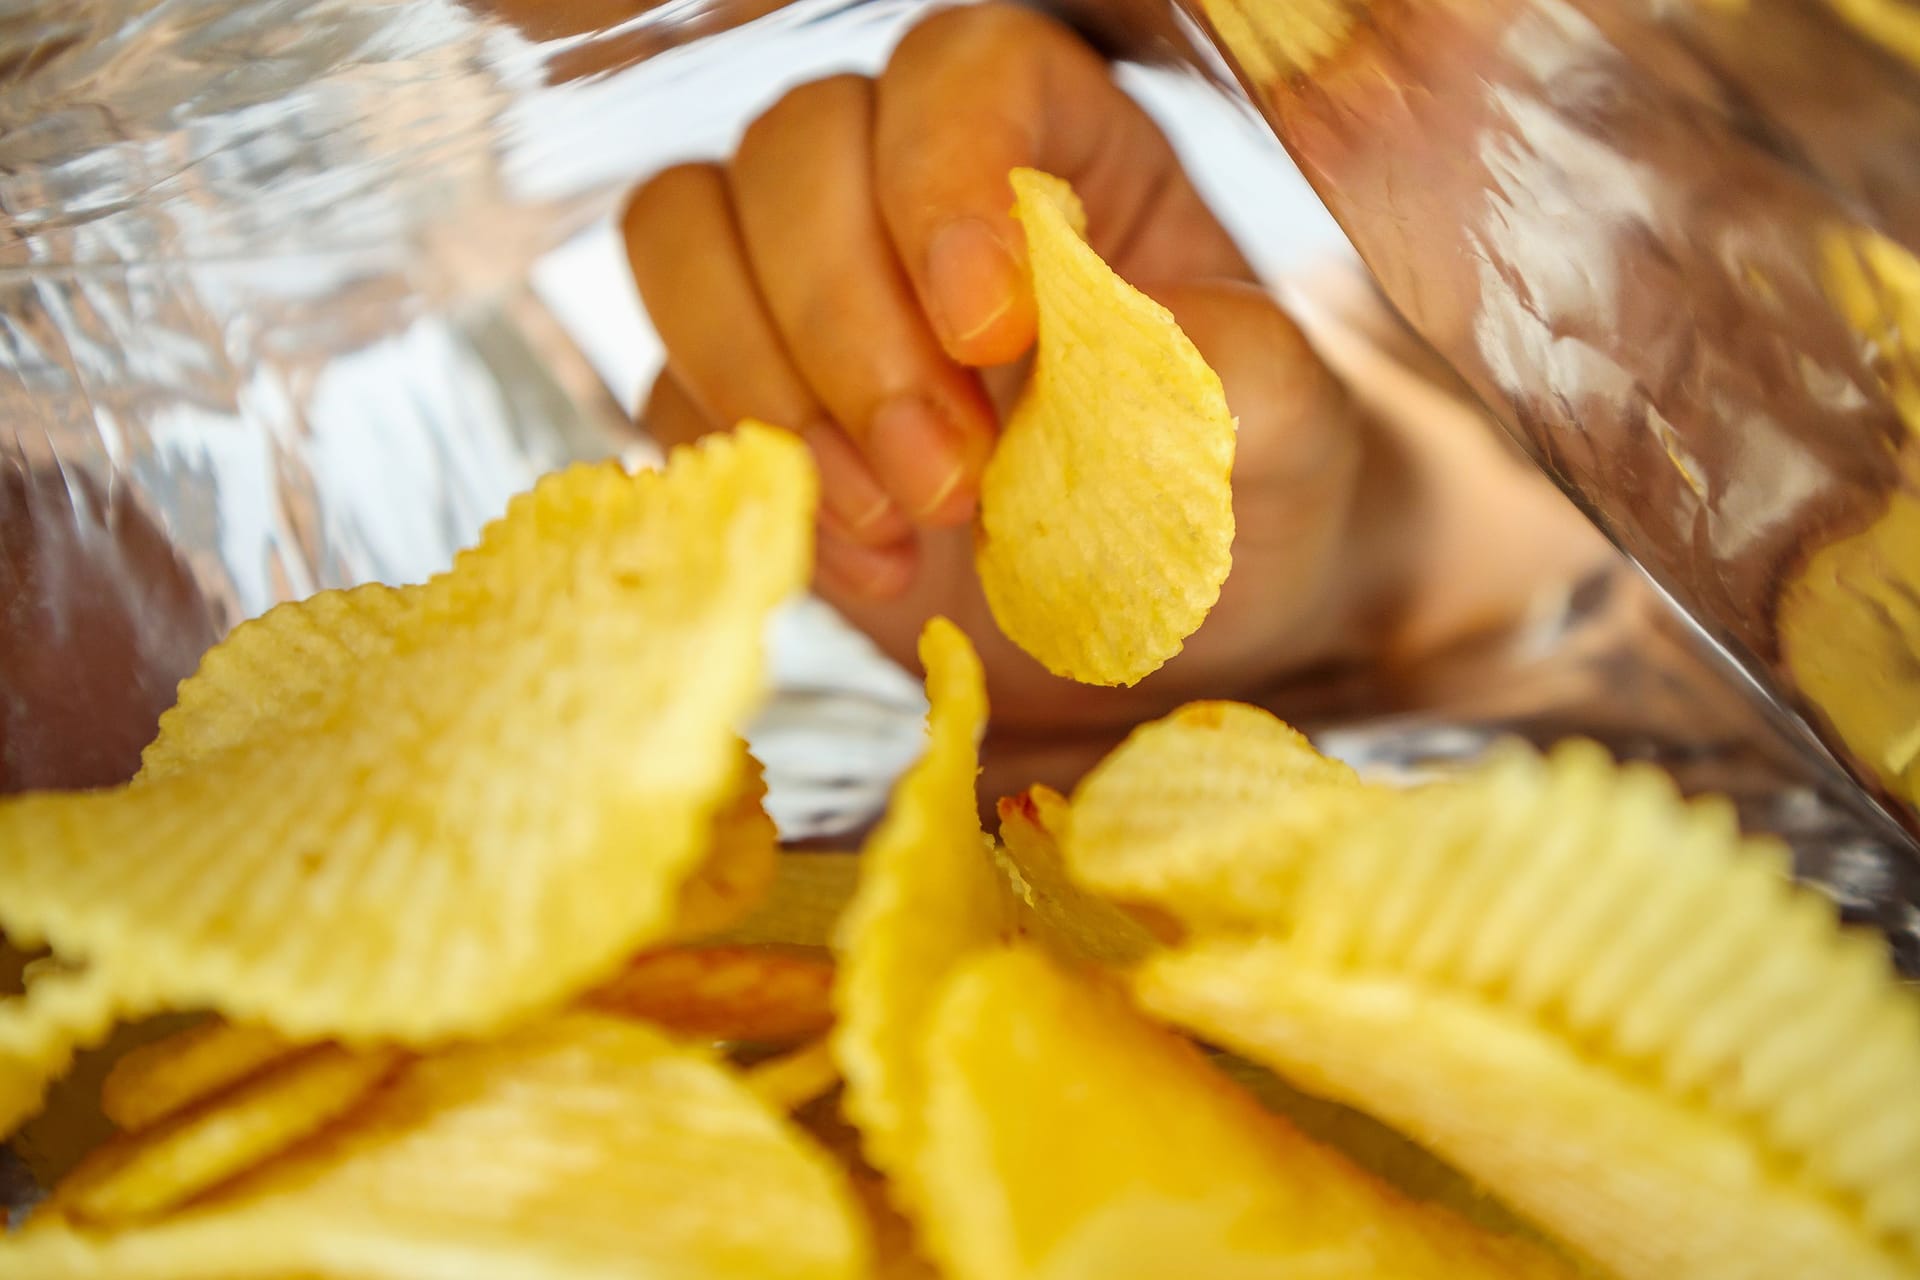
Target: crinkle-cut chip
point(574, 1147)
point(1051, 909)
point(928, 895)
point(166, 1076)
point(149, 1172)
point(1381, 1150)
point(1204, 814)
point(61, 1012)
point(762, 995)
point(794, 1079)
point(514, 751)
point(1061, 1124)
point(1605, 1005)
point(811, 888)
point(1106, 513)
point(742, 855)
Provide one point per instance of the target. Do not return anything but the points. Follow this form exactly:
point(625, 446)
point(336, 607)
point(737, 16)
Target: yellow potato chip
point(61, 1012)
point(927, 897)
point(794, 1079)
point(1605, 1005)
point(146, 1173)
point(1202, 815)
point(758, 994)
point(743, 853)
point(160, 1078)
point(1106, 514)
point(1051, 909)
point(474, 796)
point(810, 890)
point(1066, 1136)
point(580, 1146)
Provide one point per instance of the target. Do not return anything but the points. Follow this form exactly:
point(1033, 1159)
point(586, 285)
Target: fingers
point(846, 313)
point(976, 91)
point(725, 358)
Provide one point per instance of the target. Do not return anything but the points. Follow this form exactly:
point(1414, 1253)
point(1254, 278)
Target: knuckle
point(666, 195)
point(803, 109)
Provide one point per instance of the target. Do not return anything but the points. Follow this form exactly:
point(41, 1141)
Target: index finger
point(977, 91)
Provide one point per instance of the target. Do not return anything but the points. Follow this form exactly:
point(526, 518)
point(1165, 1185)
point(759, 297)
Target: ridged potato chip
point(476, 796)
point(927, 897)
point(1203, 815)
point(743, 993)
point(165, 1164)
point(1604, 1004)
point(1066, 1136)
point(579, 1146)
point(163, 1077)
point(1106, 511)
point(1051, 909)
point(61, 1012)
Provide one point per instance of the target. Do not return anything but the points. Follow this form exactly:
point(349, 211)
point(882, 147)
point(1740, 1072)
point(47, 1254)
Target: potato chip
point(1381, 1150)
point(743, 853)
point(1051, 909)
point(171, 1162)
point(757, 994)
point(166, 1076)
point(1605, 1005)
point(1202, 814)
point(514, 751)
point(794, 1079)
point(580, 1146)
point(1065, 1135)
point(811, 888)
point(927, 897)
point(1106, 514)
point(61, 1012)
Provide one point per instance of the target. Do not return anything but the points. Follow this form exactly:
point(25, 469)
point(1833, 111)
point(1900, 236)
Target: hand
point(854, 273)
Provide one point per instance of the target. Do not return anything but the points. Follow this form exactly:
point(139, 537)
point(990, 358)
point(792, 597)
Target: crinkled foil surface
point(295, 294)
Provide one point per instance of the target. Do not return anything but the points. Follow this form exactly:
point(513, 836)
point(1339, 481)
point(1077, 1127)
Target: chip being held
point(1106, 510)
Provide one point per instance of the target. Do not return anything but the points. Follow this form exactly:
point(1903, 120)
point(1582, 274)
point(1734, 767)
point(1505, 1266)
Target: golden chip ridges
point(512, 750)
point(1106, 510)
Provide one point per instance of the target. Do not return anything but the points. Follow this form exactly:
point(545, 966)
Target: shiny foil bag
point(295, 293)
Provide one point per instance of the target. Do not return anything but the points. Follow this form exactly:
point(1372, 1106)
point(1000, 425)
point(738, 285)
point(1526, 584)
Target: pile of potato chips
point(497, 971)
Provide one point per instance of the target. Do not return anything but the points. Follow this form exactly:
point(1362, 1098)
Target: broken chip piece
point(1106, 510)
point(141, 1174)
point(1050, 908)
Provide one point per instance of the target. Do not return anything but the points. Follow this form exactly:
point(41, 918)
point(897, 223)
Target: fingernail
point(876, 573)
point(971, 279)
point(920, 458)
point(849, 492)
